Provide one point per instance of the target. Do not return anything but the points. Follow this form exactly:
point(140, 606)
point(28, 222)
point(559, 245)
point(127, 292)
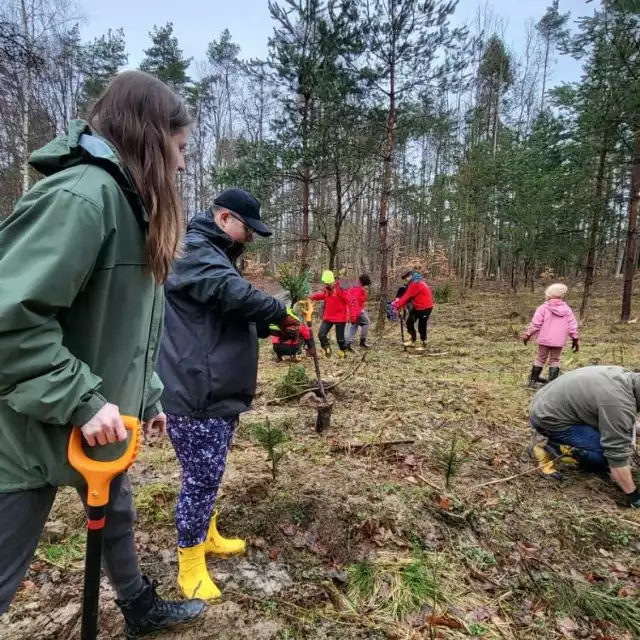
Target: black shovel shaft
point(316, 364)
point(92, 567)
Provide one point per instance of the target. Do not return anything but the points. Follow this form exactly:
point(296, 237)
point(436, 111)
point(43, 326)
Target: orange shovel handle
point(97, 474)
point(306, 309)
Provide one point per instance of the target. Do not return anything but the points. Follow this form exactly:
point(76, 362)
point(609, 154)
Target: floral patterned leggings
point(201, 447)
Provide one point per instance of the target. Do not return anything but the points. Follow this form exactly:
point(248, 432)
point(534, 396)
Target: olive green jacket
point(80, 314)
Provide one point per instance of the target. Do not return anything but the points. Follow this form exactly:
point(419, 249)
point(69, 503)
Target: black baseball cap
point(245, 206)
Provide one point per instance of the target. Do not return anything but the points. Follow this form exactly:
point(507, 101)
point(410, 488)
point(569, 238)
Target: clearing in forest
point(447, 533)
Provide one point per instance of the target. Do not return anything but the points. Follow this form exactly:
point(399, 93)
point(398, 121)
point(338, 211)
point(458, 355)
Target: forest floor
point(450, 534)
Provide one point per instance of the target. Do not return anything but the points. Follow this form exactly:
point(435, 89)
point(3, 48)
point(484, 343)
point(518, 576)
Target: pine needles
point(394, 588)
point(270, 438)
point(573, 595)
point(451, 457)
point(296, 282)
point(294, 381)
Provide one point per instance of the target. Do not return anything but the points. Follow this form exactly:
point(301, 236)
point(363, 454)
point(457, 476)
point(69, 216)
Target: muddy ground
point(447, 533)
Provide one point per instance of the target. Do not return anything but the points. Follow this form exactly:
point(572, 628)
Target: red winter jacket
point(304, 333)
point(357, 300)
point(336, 303)
point(419, 294)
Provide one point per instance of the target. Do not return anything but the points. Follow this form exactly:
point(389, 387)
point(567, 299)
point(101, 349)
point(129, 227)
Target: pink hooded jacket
point(553, 321)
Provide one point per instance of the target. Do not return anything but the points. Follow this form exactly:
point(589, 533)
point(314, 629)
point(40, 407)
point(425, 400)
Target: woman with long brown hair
point(82, 262)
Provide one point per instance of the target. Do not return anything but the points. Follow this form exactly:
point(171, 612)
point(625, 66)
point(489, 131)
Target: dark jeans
point(423, 318)
point(325, 327)
point(22, 518)
point(585, 441)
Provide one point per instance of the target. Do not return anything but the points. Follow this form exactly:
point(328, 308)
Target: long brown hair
point(138, 114)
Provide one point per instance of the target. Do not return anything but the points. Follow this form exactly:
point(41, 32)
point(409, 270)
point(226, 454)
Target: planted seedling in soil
point(270, 438)
point(294, 381)
point(452, 456)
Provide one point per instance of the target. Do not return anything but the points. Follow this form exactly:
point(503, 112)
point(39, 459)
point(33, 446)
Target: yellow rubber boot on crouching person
point(194, 580)
point(220, 546)
point(545, 460)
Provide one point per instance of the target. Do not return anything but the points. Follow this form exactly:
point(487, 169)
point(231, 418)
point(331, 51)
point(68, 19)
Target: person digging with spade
point(208, 362)
point(419, 295)
point(589, 419)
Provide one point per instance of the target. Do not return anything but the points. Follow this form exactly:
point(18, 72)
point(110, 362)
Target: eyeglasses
point(247, 229)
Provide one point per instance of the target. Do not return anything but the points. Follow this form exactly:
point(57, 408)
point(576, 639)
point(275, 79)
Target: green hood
point(80, 313)
point(80, 146)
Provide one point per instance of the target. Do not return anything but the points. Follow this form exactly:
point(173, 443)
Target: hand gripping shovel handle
point(98, 476)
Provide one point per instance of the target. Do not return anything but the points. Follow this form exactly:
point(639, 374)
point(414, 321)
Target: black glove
point(576, 345)
point(634, 498)
point(526, 339)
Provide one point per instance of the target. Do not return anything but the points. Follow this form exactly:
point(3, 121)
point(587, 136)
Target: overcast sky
point(198, 22)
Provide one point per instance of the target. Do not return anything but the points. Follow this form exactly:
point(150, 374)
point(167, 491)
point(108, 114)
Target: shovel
point(402, 316)
point(323, 419)
point(98, 476)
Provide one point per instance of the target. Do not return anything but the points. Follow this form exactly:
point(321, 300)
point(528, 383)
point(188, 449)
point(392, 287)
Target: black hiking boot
point(554, 372)
point(147, 612)
point(364, 344)
point(534, 378)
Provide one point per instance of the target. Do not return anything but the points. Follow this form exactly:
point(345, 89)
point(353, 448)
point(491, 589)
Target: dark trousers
point(585, 440)
point(22, 518)
point(325, 327)
point(282, 349)
point(423, 318)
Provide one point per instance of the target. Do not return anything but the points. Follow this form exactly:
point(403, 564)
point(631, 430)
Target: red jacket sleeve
point(320, 295)
point(304, 332)
point(408, 295)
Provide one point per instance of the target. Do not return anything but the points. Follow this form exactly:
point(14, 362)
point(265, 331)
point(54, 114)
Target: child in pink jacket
point(553, 321)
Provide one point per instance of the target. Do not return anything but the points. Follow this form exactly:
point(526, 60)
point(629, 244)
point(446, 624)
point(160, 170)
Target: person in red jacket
point(359, 318)
point(419, 296)
point(290, 343)
point(336, 312)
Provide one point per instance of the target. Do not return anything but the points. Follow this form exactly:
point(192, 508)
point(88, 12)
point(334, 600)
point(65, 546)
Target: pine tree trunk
point(306, 185)
point(384, 204)
point(544, 72)
point(306, 188)
point(27, 89)
point(632, 234)
point(593, 236)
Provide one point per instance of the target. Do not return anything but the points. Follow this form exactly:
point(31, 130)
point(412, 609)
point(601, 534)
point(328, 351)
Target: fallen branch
point(348, 375)
point(348, 447)
point(430, 484)
point(517, 475)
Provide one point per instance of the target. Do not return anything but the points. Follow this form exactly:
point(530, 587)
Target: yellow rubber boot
point(567, 454)
point(194, 580)
point(545, 461)
point(220, 546)
point(342, 354)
